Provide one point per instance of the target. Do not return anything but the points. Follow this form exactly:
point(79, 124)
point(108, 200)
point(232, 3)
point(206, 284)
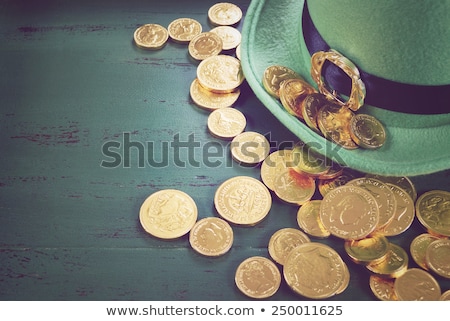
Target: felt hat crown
point(402, 51)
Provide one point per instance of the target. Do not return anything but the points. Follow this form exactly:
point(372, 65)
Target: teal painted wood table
point(90, 126)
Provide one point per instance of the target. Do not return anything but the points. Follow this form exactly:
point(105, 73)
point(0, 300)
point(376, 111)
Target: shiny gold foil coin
point(239, 51)
point(310, 107)
point(403, 182)
point(417, 285)
point(211, 236)
point(274, 164)
point(183, 30)
point(367, 131)
point(404, 213)
point(274, 75)
point(308, 219)
point(349, 212)
point(231, 37)
point(445, 296)
point(168, 214)
point(371, 249)
point(387, 203)
point(333, 121)
point(437, 257)
point(294, 188)
point(221, 73)
point(418, 248)
point(327, 185)
point(315, 270)
point(224, 14)
point(151, 36)
point(243, 200)
point(308, 161)
point(283, 241)
point(258, 277)
point(250, 148)
point(226, 123)
point(209, 100)
point(393, 265)
point(292, 93)
point(433, 211)
point(382, 288)
point(205, 45)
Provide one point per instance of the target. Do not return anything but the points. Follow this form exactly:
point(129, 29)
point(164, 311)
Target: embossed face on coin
point(151, 36)
point(211, 236)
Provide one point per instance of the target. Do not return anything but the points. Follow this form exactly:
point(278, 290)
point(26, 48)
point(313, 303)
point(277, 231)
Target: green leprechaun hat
point(402, 51)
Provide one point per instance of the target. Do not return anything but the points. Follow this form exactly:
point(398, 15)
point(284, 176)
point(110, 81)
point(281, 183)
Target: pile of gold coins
point(361, 210)
point(325, 116)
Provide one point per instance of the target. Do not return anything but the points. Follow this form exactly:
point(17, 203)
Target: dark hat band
point(380, 92)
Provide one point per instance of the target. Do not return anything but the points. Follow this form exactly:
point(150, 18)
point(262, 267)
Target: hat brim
point(415, 145)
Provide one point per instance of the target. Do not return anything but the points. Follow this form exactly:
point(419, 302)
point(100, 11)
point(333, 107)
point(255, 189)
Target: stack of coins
point(326, 117)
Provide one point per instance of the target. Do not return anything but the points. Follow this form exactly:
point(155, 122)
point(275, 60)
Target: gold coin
point(309, 221)
point(294, 188)
point(231, 37)
point(437, 257)
point(403, 182)
point(418, 248)
point(205, 45)
point(333, 172)
point(221, 73)
point(445, 296)
point(151, 36)
point(211, 236)
point(183, 30)
point(168, 214)
point(239, 51)
point(333, 121)
point(226, 123)
point(209, 100)
point(386, 200)
point(432, 211)
point(250, 148)
point(404, 213)
point(382, 288)
point(283, 241)
point(315, 270)
point(310, 107)
point(367, 250)
point(309, 161)
point(292, 93)
point(367, 131)
point(349, 212)
point(224, 14)
point(274, 75)
point(243, 200)
point(417, 285)
point(394, 264)
point(326, 185)
point(275, 163)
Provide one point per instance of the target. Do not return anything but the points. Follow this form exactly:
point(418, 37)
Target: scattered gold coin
point(243, 200)
point(231, 37)
point(250, 148)
point(403, 182)
point(239, 51)
point(437, 257)
point(326, 185)
point(394, 264)
point(308, 161)
point(417, 285)
point(224, 14)
point(274, 75)
point(419, 247)
point(382, 288)
point(205, 45)
point(292, 93)
point(277, 162)
point(367, 131)
point(349, 212)
point(310, 107)
point(283, 241)
point(221, 73)
point(371, 249)
point(294, 188)
point(183, 30)
point(168, 214)
point(316, 271)
point(211, 236)
point(445, 296)
point(209, 100)
point(226, 123)
point(309, 221)
point(432, 211)
point(151, 36)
